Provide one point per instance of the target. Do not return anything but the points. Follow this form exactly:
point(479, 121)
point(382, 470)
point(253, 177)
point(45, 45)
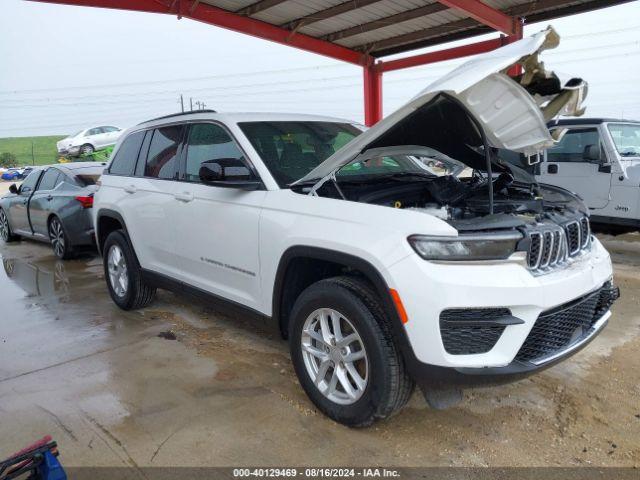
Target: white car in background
point(88, 141)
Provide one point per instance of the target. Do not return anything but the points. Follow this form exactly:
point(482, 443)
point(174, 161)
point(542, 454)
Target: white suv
point(386, 256)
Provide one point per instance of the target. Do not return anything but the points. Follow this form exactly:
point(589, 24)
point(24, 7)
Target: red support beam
point(150, 6)
point(485, 14)
point(372, 94)
point(203, 12)
point(441, 55)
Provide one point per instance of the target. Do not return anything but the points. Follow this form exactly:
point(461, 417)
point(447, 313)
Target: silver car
point(53, 205)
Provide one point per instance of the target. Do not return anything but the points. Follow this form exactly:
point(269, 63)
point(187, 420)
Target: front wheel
point(5, 228)
point(123, 274)
point(343, 352)
point(87, 149)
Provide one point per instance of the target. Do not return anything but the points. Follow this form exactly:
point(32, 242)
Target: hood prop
point(487, 157)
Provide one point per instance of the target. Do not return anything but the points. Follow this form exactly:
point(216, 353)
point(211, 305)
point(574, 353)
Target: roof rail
point(178, 115)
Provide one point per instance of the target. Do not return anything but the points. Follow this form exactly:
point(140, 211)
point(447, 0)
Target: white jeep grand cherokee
point(409, 253)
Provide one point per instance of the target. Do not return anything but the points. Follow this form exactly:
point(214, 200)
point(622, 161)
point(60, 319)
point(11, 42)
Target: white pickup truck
point(599, 159)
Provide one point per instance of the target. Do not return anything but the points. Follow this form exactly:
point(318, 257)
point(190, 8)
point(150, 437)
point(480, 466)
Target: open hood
point(512, 112)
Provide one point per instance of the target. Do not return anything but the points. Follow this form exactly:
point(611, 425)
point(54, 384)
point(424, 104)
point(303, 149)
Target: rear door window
point(49, 179)
point(163, 152)
point(124, 162)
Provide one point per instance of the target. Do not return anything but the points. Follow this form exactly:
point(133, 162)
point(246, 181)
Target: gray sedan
point(53, 205)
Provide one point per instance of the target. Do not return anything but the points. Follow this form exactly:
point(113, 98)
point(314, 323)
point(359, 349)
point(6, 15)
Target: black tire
point(388, 386)
point(138, 293)
point(59, 239)
point(87, 149)
point(5, 229)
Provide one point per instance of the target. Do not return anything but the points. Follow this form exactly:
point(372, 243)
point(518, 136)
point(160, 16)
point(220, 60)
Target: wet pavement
point(221, 391)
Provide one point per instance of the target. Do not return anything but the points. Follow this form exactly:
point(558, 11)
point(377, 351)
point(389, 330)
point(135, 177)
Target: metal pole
point(372, 94)
point(181, 103)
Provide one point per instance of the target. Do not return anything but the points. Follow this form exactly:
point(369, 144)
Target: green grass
point(44, 149)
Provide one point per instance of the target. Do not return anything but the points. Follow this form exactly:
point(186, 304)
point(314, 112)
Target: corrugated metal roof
point(383, 27)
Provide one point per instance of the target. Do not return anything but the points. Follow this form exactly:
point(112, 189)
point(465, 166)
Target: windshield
point(626, 137)
point(290, 150)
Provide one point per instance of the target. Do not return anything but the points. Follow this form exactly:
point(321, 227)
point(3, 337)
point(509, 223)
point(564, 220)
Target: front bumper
point(69, 151)
point(430, 376)
point(497, 286)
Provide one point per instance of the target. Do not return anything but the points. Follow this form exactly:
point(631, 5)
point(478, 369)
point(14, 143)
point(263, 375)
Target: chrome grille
point(574, 237)
point(535, 249)
point(551, 245)
point(585, 232)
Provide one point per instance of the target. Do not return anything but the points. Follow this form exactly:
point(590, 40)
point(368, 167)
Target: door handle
point(130, 189)
point(49, 198)
point(184, 197)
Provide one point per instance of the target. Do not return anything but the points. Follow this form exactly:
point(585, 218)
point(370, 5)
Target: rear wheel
point(59, 239)
point(123, 274)
point(344, 355)
point(5, 228)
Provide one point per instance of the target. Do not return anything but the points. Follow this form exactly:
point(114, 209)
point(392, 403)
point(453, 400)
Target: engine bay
point(437, 161)
point(446, 197)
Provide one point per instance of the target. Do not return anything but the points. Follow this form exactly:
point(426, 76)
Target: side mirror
point(228, 173)
point(592, 153)
point(211, 172)
point(13, 188)
point(604, 168)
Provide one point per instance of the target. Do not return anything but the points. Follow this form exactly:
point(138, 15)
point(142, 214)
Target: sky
point(65, 68)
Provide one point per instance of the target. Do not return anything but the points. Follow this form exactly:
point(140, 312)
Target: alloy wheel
point(118, 275)
point(56, 234)
point(334, 356)
point(4, 226)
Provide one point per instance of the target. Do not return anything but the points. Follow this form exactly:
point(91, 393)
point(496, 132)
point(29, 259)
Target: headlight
point(466, 247)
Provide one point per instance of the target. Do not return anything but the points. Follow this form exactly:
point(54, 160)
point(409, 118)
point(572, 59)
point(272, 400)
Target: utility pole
point(33, 157)
point(181, 103)
point(191, 104)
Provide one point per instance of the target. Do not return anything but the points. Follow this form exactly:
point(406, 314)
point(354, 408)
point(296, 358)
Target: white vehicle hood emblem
point(512, 112)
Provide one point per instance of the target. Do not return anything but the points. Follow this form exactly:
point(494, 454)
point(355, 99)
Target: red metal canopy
point(361, 31)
